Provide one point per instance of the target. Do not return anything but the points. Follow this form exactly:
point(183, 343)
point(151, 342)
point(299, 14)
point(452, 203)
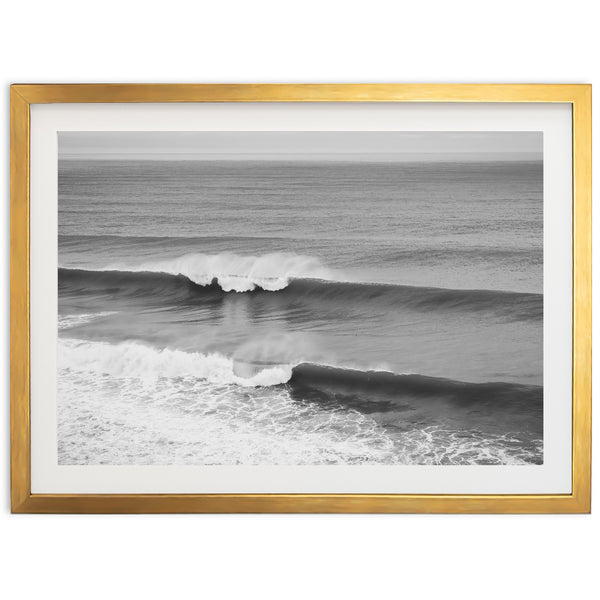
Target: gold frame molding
point(23, 501)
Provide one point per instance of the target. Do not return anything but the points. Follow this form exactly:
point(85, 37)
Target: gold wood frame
point(23, 501)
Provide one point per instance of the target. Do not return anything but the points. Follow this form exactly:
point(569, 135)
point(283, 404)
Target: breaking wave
point(133, 360)
point(316, 293)
point(235, 273)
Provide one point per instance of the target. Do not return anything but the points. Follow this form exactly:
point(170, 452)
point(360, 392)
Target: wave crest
point(133, 360)
point(233, 272)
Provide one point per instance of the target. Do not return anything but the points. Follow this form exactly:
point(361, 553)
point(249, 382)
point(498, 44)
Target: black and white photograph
point(300, 298)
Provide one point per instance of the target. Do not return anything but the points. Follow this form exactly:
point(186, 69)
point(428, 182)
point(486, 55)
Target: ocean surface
point(300, 313)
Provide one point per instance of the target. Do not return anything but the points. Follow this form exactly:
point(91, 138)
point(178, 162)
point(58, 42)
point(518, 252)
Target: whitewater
point(237, 273)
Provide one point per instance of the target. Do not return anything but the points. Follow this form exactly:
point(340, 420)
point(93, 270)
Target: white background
point(465, 556)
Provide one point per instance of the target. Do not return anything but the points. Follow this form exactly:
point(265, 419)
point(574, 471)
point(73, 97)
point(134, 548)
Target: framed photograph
point(301, 298)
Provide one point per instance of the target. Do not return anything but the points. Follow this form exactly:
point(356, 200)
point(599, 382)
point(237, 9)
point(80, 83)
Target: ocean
point(297, 312)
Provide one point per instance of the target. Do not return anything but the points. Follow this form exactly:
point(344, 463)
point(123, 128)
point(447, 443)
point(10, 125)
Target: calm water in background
point(300, 313)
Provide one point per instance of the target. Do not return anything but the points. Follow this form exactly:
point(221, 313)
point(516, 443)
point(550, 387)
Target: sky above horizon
point(389, 145)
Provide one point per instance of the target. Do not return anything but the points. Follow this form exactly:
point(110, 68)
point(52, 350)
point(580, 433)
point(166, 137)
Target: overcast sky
point(520, 145)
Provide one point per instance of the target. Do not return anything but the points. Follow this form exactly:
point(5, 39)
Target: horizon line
point(395, 156)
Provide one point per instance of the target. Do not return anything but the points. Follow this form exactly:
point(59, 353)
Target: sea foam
point(237, 273)
point(134, 360)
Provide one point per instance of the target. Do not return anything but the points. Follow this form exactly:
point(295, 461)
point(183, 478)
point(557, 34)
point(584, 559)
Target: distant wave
point(314, 292)
point(237, 273)
point(68, 321)
point(168, 240)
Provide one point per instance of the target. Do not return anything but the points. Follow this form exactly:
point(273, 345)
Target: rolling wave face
point(236, 273)
point(158, 284)
point(512, 305)
point(384, 388)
